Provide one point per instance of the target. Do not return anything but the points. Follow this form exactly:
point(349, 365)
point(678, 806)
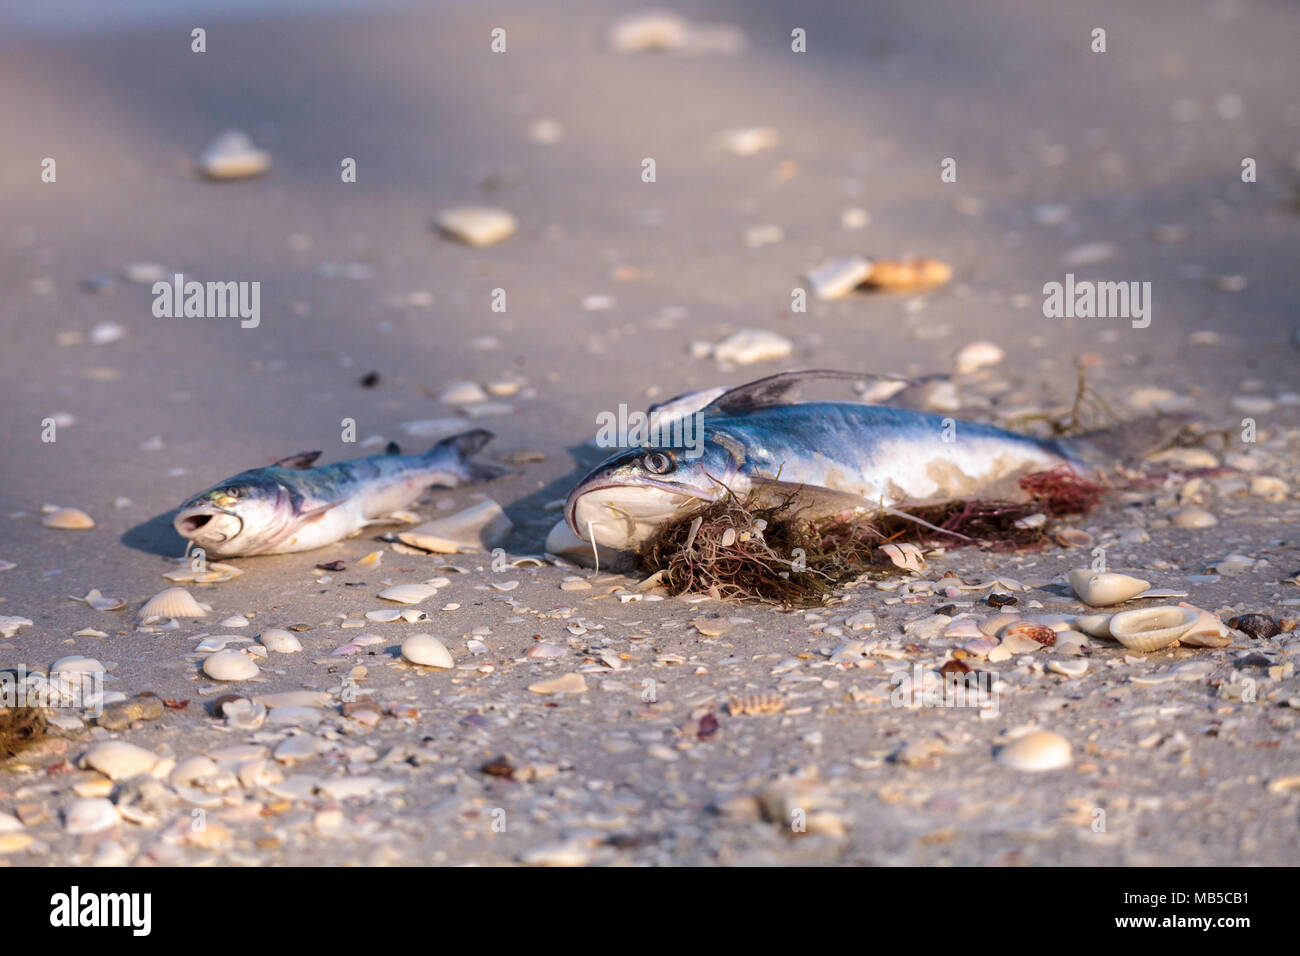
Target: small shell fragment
point(68, 519)
point(232, 155)
point(755, 704)
point(408, 593)
point(908, 275)
point(476, 225)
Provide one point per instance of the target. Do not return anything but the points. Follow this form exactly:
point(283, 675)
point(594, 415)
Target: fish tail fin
point(1127, 442)
point(453, 454)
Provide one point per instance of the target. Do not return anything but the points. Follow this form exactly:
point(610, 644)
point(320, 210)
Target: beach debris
point(836, 278)
point(907, 275)
point(9, 624)
point(68, 519)
point(755, 704)
point(20, 728)
point(90, 815)
point(232, 155)
point(977, 355)
point(748, 141)
point(427, 651)
point(662, 31)
point(1258, 626)
point(476, 225)
point(119, 760)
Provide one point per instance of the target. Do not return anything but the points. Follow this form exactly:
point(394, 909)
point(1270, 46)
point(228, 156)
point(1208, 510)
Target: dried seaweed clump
point(744, 551)
point(20, 727)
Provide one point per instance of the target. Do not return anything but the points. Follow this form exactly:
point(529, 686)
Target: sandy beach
point(1124, 165)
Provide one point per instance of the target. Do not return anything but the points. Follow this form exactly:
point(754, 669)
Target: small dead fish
point(291, 506)
point(835, 458)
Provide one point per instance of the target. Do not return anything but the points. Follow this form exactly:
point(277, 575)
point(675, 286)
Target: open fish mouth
point(627, 521)
point(192, 523)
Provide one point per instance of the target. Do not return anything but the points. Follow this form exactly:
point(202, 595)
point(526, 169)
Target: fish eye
point(659, 462)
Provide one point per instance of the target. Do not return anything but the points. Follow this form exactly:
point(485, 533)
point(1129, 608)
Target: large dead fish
point(834, 457)
point(291, 506)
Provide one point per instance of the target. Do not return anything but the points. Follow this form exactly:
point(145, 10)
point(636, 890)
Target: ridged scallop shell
point(1151, 628)
point(408, 593)
point(173, 602)
point(1103, 588)
point(70, 519)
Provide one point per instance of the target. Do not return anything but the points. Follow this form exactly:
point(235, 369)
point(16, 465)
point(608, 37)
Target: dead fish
point(291, 506)
point(835, 458)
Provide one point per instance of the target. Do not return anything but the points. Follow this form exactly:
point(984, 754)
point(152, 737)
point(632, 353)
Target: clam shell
point(230, 665)
point(1036, 752)
point(408, 593)
point(233, 156)
point(1103, 588)
point(1151, 628)
point(426, 650)
point(480, 528)
point(119, 760)
point(71, 519)
point(280, 641)
point(90, 815)
point(173, 602)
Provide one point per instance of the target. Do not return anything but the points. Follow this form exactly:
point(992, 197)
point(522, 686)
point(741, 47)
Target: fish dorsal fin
point(300, 461)
point(392, 448)
point(781, 389)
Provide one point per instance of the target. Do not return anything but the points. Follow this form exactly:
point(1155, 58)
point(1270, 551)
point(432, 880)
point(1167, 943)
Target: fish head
point(627, 498)
point(240, 516)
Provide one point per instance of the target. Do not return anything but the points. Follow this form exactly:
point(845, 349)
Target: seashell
point(384, 616)
point(1103, 588)
point(1073, 538)
point(1071, 642)
point(192, 770)
point(476, 225)
point(243, 714)
point(70, 519)
point(906, 556)
point(545, 650)
point(480, 528)
point(979, 647)
point(237, 620)
point(1151, 628)
point(9, 625)
point(1258, 626)
point(565, 684)
point(1094, 625)
point(427, 651)
point(230, 666)
point(218, 642)
point(748, 346)
point(295, 698)
point(412, 616)
point(119, 760)
point(371, 560)
point(1194, 518)
point(232, 155)
point(908, 275)
point(76, 664)
point(1036, 752)
point(173, 602)
point(978, 355)
point(1022, 631)
point(1068, 668)
point(838, 277)
point(90, 815)
point(992, 626)
point(408, 593)
point(97, 600)
point(280, 641)
point(1208, 631)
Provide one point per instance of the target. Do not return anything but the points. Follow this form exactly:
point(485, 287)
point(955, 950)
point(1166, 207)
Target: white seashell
point(838, 277)
point(1151, 628)
point(244, 714)
point(230, 665)
point(1036, 752)
point(1194, 518)
point(412, 616)
point(192, 770)
point(426, 650)
point(752, 345)
point(976, 356)
point(1208, 631)
point(1094, 625)
point(9, 625)
point(1068, 668)
point(906, 556)
point(544, 650)
point(476, 225)
point(218, 642)
point(70, 519)
point(236, 620)
point(97, 600)
point(76, 664)
point(90, 815)
point(385, 616)
point(280, 641)
point(479, 528)
point(173, 602)
point(232, 155)
point(118, 760)
point(408, 593)
point(1103, 588)
point(295, 698)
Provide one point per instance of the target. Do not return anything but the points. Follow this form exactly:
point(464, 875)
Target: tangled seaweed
point(743, 551)
point(20, 727)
